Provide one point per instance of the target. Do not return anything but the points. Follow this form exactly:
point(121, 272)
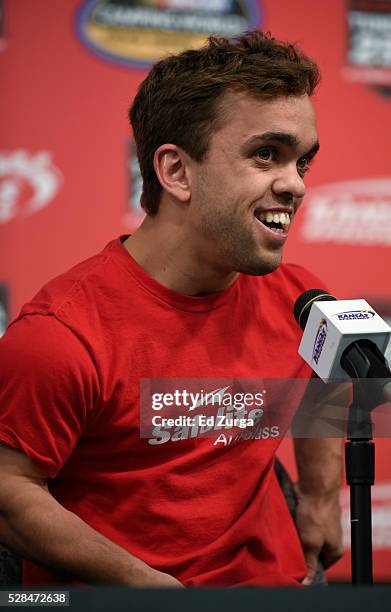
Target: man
point(225, 136)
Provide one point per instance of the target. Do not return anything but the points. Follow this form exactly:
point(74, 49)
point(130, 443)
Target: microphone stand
point(360, 476)
point(362, 361)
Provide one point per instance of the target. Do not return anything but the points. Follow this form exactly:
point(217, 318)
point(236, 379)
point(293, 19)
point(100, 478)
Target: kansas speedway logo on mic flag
point(319, 340)
point(139, 32)
point(353, 315)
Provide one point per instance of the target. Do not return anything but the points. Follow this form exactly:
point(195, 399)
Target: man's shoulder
point(285, 284)
point(289, 275)
point(81, 284)
point(299, 276)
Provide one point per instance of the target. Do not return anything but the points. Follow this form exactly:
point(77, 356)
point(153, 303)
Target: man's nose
point(289, 182)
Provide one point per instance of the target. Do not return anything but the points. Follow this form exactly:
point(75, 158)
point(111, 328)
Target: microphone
point(343, 339)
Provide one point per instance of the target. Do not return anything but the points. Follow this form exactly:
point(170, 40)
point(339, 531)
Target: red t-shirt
point(71, 364)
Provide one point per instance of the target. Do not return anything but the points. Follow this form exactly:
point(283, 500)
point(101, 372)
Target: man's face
point(246, 191)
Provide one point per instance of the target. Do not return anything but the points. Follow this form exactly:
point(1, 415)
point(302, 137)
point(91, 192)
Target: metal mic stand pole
point(360, 476)
point(367, 367)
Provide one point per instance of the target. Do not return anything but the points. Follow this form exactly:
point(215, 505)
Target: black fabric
point(10, 567)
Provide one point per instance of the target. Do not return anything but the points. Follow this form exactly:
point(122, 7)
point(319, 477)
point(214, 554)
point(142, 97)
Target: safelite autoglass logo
point(28, 183)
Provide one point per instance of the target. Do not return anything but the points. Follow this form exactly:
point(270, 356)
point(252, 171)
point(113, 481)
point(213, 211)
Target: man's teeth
point(269, 217)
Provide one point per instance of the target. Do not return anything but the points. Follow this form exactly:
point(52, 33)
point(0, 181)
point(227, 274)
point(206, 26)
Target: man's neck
point(165, 252)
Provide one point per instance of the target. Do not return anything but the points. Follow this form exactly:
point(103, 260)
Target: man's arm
point(320, 465)
point(318, 514)
point(38, 528)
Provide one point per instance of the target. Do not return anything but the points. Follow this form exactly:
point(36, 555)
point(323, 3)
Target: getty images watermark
point(185, 409)
point(228, 411)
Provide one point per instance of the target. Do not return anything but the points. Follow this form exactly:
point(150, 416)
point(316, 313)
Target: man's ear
point(172, 169)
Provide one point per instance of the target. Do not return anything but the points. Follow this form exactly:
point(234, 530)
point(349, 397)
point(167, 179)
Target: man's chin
point(263, 266)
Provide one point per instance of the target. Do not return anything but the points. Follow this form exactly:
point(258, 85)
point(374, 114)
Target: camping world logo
point(139, 32)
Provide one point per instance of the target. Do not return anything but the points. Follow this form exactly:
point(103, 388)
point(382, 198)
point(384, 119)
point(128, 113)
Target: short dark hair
point(178, 102)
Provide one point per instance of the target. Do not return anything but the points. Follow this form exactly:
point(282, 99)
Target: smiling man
point(230, 211)
point(225, 136)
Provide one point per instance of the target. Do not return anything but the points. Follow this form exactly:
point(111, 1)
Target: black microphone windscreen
point(303, 304)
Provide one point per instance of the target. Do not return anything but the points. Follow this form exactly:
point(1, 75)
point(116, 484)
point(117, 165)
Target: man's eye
point(265, 154)
point(303, 164)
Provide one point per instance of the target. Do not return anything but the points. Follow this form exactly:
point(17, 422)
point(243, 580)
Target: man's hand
point(319, 464)
point(153, 579)
point(318, 521)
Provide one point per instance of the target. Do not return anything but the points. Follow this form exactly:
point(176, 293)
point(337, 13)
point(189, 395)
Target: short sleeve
point(305, 279)
point(48, 388)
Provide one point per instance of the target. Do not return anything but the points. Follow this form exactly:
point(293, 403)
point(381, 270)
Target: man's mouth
point(277, 222)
